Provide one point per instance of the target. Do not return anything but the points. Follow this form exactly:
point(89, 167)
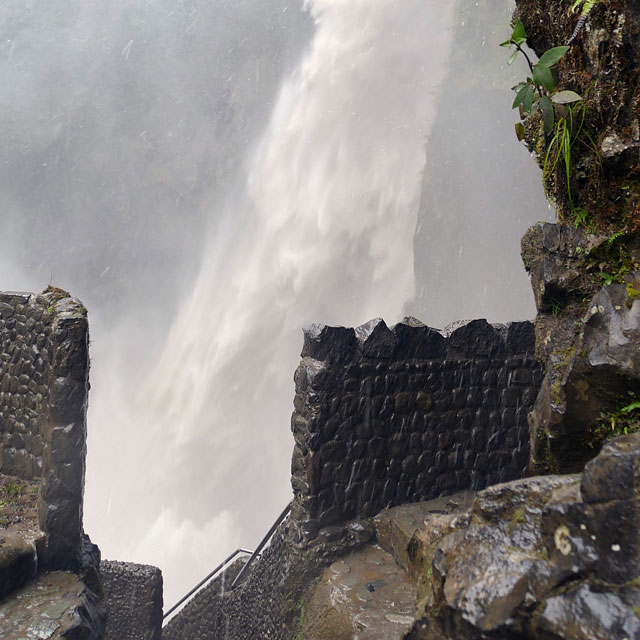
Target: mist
point(208, 177)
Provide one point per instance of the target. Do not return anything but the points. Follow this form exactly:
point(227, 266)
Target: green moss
point(556, 390)
point(632, 294)
point(12, 490)
point(55, 293)
point(516, 519)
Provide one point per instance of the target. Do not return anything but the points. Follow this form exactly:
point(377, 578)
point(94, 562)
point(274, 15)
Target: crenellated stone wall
point(388, 416)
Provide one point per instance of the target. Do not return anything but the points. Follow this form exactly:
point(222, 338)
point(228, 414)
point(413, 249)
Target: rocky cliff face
point(555, 556)
point(585, 270)
point(546, 557)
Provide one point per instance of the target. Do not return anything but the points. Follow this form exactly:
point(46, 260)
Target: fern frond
point(587, 5)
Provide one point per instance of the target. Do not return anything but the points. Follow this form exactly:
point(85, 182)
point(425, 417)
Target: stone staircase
point(544, 558)
point(375, 592)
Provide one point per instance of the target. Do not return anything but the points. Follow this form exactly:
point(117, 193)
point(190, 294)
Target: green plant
point(610, 260)
point(607, 278)
point(611, 424)
point(581, 218)
point(13, 490)
point(568, 129)
point(562, 112)
point(587, 5)
point(534, 91)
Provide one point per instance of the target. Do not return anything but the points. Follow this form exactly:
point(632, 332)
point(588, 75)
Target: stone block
point(133, 596)
point(333, 344)
point(67, 400)
point(615, 473)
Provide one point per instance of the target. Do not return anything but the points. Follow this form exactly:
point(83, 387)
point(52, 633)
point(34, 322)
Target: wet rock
point(553, 255)
point(486, 572)
point(375, 339)
point(615, 473)
point(416, 340)
point(594, 375)
point(18, 562)
point(365, 595)
point(59, 606)
point(476, 338)
point(535, 560)
point(589, 613)
point(333, 344)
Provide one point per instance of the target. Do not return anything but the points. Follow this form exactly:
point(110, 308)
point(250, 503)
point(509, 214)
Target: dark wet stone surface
point(588, 613)
point(364, 596)
point(56, 605)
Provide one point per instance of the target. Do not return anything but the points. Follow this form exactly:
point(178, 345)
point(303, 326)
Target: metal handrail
point(263, 542)
point(223, 564)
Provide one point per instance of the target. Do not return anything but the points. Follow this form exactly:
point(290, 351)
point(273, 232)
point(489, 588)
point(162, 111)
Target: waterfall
point(208, 176)
point(323, 233)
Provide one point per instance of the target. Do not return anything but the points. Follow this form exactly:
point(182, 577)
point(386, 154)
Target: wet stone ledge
point(385, 416)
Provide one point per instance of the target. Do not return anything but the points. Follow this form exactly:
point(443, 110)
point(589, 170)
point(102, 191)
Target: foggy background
point(208, 177)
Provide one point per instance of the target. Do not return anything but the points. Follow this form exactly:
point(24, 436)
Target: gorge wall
point(585, 270)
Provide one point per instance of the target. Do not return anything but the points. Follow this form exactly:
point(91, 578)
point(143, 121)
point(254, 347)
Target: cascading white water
point(325, 235)
point(129, 125)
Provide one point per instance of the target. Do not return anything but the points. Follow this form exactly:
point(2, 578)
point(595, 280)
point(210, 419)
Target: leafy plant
point(534, 92)
point(567, 130)
point(609, 261)
point(587, 5)
point(621, 421)
point(562, 112)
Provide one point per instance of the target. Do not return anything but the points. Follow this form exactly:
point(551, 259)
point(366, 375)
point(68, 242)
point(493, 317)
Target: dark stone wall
point(133, 597)
point(254, 609)
point(26, 351)
point(388, 416)
point(60, 501)
point(44, 383)
point(382, 417)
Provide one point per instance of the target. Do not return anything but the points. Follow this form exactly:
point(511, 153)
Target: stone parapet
point(44, 383)
point(133, 598)
point(385, 416)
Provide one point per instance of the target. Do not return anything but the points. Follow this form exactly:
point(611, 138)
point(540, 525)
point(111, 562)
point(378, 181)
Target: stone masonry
point(44, 383)
point(388, 416)
point(133, 593)
point(26, 350)
point(383, 416)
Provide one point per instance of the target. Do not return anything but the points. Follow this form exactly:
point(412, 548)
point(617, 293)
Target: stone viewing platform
point(410, 500)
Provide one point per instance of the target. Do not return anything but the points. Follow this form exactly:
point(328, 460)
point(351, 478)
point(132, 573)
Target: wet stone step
point(56, 605)
point(364, 596)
